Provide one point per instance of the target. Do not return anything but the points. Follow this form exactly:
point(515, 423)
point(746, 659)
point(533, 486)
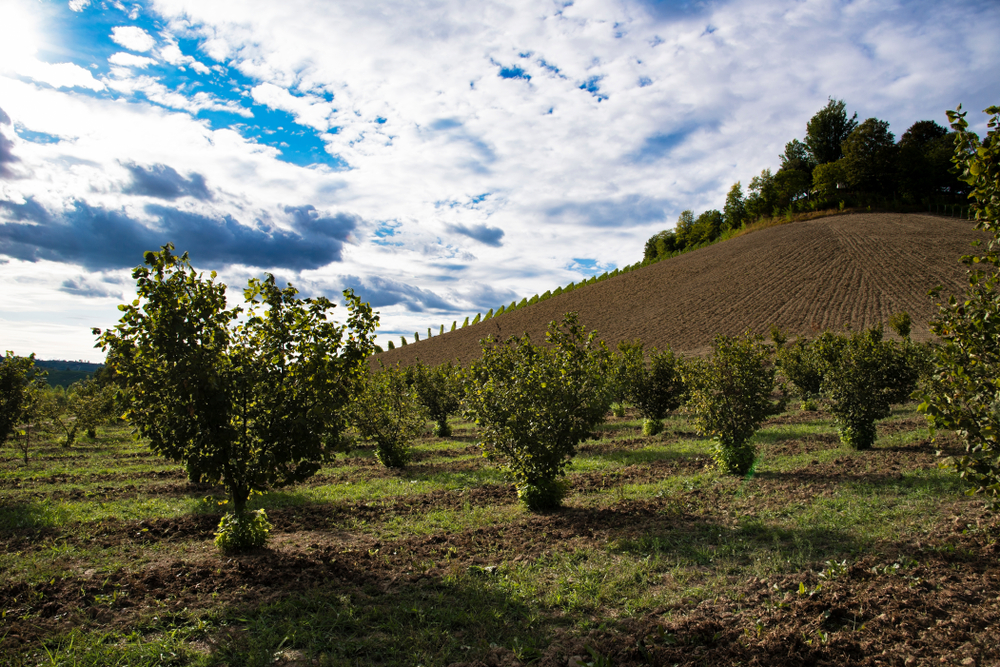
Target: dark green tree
point(867, 377)
point(796, 158)
point(386, 412)
point(682, 230)
point(803, 367)
point(829, 179)
point(439, 390)
point(707, 227)
point(762, 196)
point(655, 388)
point(18, 379)
point(870, 158)
point(827, 130)
point(790, 186)
point(923, 160)
point(735, 210)
point(250, 398)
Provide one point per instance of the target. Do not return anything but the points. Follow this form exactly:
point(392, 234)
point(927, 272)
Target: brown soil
point(805, 277)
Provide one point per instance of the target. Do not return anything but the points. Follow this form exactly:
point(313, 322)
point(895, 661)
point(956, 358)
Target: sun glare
point(18, 36)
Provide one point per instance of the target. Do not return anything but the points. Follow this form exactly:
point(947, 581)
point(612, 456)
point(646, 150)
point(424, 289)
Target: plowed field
point(853, 270)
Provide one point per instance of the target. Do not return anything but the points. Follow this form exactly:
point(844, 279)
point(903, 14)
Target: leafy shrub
point(655, 388)
point(901, 323)
point(20, 388)
point(387, 413)
point(251, 398)
point(92, 405)
point(15, 381)
point(534, 404)
point(242, 531)
point(730, 397)
point(962, 393)
point(803, 367)
point(439, 390)
point(869, 375)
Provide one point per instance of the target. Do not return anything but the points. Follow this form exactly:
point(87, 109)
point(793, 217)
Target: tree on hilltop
point(826, 131)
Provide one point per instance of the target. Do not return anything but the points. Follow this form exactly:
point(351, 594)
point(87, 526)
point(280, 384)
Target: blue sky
point(441, 158)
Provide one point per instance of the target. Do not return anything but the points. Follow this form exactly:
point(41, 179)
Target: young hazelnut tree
point(731, 396)
point(868, 375)
point(655, 388)
point(250, 398)
point(963, 393)
point(386, 412)
point(533, 404)
point(439, 389)
point(20, 387)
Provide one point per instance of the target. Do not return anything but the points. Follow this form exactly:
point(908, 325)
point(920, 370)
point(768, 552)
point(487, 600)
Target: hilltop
point(847, 270)
point(64, 373)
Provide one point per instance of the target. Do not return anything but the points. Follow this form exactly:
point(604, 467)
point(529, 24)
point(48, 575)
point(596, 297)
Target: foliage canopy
point(963, 393)
point(251, 399)
point(533, 404)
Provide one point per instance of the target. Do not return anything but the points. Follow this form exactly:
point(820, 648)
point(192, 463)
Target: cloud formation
point(381, 292)
point(491, 236)
point(6, 147)
point(622, 212)
point(85, 287)
point(163, 182)
point(99, 239)
point(132, 38)
point(557, 139)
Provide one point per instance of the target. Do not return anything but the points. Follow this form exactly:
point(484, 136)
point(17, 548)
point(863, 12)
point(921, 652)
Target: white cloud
point(78, 5)
point(123, 81)
point(172, 54)
point(308, 110)
point(438, 142)
point(59, 75)
point(123, 59)
point(132, 38)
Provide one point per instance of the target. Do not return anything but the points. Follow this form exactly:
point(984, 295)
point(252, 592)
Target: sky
point(440, 158)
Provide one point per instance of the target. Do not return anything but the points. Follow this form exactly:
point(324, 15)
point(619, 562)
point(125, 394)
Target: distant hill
point(64, 373)
point(853, 269)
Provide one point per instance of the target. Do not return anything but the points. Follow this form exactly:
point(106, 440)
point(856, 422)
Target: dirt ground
point(805, 277)
point(929, 601)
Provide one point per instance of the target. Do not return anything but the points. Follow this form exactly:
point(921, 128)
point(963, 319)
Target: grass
point(438, 563)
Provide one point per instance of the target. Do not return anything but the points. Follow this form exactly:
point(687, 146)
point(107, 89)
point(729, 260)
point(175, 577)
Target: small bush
point(652, 426)
point(730, 397)
point(439, 390)
point(533, 405)
point(867, 377)
point(655, 388)
point(802, 366)
point(244, 531)
point(386, 412)
point(901, 323)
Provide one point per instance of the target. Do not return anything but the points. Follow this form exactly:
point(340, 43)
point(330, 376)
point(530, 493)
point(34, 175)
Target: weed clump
point(242, 531)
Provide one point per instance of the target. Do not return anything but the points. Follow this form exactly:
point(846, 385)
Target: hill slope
point(805, 277)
